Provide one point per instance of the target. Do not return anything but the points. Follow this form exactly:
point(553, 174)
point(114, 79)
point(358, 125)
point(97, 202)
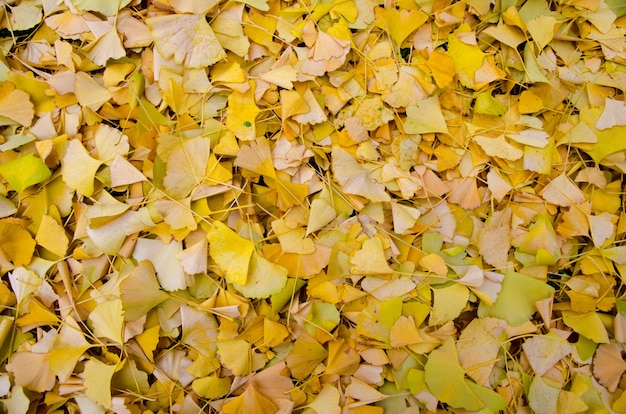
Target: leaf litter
point(322, 207)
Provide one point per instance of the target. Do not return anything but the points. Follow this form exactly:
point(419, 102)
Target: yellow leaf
point(187, 38)
point(466, 55)
point(89, 92)
point(79, 169)
point(241, 114)
point(442, 68)
point(614, 114)
point(140, 291)
point(370, 259)
point(97, 380)
point(403, 332)
point(342, 358)
point(401, 23)
point(124, 173)
point(448, 303)
point(355, 178)
point(108, 8)
point(435, 264)
point(195, 7)
point(68, 348)
point(108, 321)
point(16, 243)
point(231, 252)
point(264, 278)
point(251, 401)
point(426, 117)
point(51, 235)
point(499, 147)
point(15, 104)
point(107, 46)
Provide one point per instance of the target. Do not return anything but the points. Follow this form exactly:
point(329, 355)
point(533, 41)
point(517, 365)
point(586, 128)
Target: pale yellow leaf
point(79, 168)
point(187, 38)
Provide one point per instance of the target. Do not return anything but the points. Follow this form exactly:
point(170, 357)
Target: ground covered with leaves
point(318, 207)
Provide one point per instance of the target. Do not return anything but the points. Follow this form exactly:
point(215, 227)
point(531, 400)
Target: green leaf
point(25, 171)
point(516, 301)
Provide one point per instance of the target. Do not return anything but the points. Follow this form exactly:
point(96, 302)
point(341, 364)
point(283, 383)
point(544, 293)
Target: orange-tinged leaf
point(16, 243)
point(609, 365)
point(442, 68)
point(15, 104)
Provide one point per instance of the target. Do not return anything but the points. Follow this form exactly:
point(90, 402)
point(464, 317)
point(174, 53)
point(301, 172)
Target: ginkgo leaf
point(446, 380)
point(31, 370)
point(425, 117)
point(543, 351)
point(370, 259)
point(89, 92)
point(401, 23)
point(478, 347)
point(16, 243)
point(327, 401)
point(140, 291)
point(79, 168)
point(231, 252)
point(241, 114)
point(250, 401)
point(614, 114)
point(25, 171)
point(186, 167)
point(108, 321)
point(124, 173)
point(68, 348)
point(163, 258)
point(563, 192)
point(448, 303)
point(197, 7)
point(15, 104)
point(609, 365)
point(516, 301)
point(305, 355)
point(187, 38)
point(211, 387)
point(587, 324)
point(264, 278)
point(97, 380)
point(51, 235)
point(108, 46)
point(108, 8)
point(499, 147)
point(354, 178)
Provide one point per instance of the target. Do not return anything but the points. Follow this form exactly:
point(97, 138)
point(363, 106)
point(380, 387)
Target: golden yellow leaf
point(15, 104)
point(51, 235)
point(231, 252)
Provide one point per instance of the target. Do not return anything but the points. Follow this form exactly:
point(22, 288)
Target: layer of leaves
point(323, 207)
